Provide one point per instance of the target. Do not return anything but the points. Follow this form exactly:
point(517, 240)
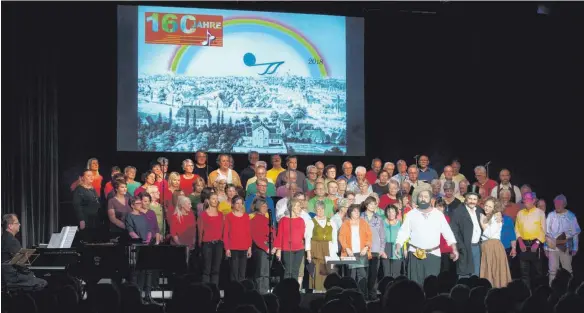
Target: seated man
point(15, 275)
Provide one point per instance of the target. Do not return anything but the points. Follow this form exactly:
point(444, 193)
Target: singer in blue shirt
point(508, 237)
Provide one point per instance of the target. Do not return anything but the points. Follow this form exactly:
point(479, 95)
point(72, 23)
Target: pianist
point(15, 275)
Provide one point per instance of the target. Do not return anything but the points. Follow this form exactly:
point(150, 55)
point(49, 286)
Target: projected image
point(235, 81)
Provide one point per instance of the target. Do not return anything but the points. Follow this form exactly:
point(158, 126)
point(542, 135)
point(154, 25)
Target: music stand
point(23, 257)
point(162, 258)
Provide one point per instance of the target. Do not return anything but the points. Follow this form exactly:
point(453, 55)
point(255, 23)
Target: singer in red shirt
point(261, 229)
point(237, 238)
point(211, 239)
point(289, 243)
point(446, 265)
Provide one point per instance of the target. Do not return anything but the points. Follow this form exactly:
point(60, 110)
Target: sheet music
point(331, 258)
point(67, 239)
point(55, 241)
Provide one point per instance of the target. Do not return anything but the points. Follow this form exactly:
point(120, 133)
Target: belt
point(529, 242)
point(427, 250)
point(213, 241)
point(475, 244)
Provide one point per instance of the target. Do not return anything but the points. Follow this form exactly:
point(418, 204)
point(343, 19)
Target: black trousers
point(530, 262)
point(446, 263)
point(212, 255)
point(513, 264)
point(291, 261)
point(391, 268)
point(418, 269)
point(238, 264)
point(359, 274)
point(373, 271)
point(262, 269)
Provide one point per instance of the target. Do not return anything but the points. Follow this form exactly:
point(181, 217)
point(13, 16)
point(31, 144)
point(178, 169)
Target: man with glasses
point(262, 190)
point(456, 175)
point(360, 173)
point(311, 176)
point(252, 183)
point(348, 172)
point(15, 275)
point(530, 229)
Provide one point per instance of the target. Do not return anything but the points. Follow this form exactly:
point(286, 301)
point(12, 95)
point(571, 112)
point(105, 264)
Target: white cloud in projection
point(228, 60)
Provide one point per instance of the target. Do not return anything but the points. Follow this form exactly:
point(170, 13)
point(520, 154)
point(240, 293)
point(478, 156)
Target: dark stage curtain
point(29, 123)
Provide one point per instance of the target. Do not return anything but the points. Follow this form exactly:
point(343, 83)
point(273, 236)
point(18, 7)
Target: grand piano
point(94, 261)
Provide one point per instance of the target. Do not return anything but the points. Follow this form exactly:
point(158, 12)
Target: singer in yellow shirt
point(530, 231)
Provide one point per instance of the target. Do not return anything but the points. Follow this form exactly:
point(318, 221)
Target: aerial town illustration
point(275, 114)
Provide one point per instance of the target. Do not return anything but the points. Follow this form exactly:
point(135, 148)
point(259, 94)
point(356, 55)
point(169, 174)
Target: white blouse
point(493, 229)
point(333, 244)
point(355, 239)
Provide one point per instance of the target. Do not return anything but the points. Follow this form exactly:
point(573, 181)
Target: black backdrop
point(479, 82)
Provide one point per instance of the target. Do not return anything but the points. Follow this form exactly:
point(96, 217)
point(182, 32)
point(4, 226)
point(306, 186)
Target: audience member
point(404, 296)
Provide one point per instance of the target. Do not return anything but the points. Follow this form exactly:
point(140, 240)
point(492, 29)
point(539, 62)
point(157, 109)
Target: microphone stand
point(290, 224)
point(487, 167)
point(165, 227)
point(270, 244)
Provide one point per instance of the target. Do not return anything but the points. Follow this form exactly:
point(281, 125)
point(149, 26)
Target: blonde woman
point(225, 205)
point(289, 243)
point(93, 166)
point(220, 186)
point(198, 186)
point(156, 207)
point(183, 227)
point(130, 175)
point(494, 262)
point(237, 238)
point(173, 185)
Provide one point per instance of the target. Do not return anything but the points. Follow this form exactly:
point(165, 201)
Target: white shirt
point(355, 239)
point(493, 229)
point(337, 220)
point(228, 178)
point(508, 187)
point(359, 198)
point(281, 208)
point(476, 227)
point(556, 224)
point(308, 235)
point(424, 230)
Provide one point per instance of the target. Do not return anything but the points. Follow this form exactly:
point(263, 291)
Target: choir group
point(390, 220)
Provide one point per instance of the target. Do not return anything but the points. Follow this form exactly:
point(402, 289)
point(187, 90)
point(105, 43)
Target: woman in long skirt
point(321, 241)
point(494, 264)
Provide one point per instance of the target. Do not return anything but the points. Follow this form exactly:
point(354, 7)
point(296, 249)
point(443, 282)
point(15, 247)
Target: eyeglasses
point(15, 223)
point(138, 203)
point(262, 185)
